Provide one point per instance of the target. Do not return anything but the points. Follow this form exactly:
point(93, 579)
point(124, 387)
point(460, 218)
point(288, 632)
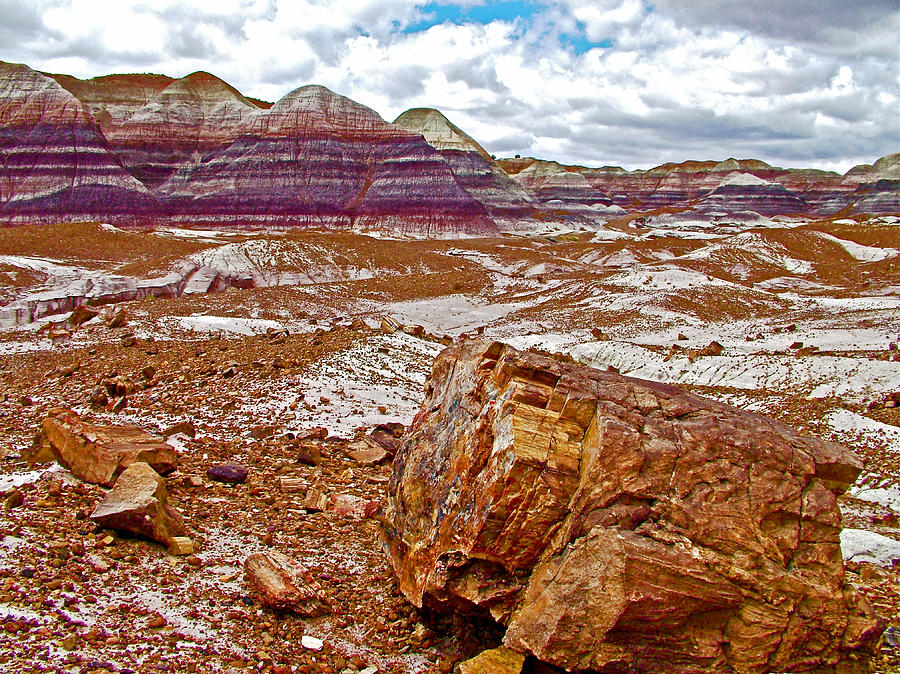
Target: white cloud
point(707, 79)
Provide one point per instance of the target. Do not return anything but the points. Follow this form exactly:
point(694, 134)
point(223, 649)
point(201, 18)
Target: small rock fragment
point(181, 545)
point(262, 432)
point(290, 485)
point(314, 501)
point(367, 453)
point(317, 433)
point(712, 349)
point(98, 397)
point(115, 318)
point(81, 315)
point(230, 473)
point(309, 454)
point(14, 499)
point(495, 661)
point(183, 428)
point(389, 325)
point(352, 507)
point(312, 643)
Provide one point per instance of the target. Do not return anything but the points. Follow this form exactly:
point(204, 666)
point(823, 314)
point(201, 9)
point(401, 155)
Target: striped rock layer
point(136, 149)
point(195, 150)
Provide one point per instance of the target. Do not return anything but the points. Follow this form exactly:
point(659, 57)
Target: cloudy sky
point(633, 83)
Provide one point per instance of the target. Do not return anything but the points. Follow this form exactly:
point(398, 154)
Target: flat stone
point(99, 454)
point(352, 507)
point(183, 428)
point(311, 643)
point(367, 453)
point(181, 545)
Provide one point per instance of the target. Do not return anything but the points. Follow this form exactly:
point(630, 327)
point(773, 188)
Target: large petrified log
point(616, 524)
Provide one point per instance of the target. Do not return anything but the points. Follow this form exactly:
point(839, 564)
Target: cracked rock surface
point(613, 523)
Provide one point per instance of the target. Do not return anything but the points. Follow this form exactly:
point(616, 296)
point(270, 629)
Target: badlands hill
point(136, 149)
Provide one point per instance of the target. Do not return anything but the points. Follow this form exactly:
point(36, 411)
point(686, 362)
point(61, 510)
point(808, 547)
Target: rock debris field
point(284, 403)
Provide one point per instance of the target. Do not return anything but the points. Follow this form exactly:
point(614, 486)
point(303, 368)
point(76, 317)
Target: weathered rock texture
point(616, 524)
point(98, 454)
point(138, 504)
point(283, 583)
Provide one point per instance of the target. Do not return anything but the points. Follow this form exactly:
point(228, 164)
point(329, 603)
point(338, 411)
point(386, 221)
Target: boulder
point(98, 454)
point(138, 504)
point(283, 583)
point(616, 524)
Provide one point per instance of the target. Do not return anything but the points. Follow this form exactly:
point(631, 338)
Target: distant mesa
point(137, 149)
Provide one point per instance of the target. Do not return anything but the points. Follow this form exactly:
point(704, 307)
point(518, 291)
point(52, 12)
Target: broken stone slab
point(181, 545)
point(138, 504)
point(367, 452)
point(291, 485)
point(499, 660)
point(114, 317)
point(414, 330)
point(308, 453)
point(616, 524)
point(317, 433)
point(98, 454)
point(82, 314)
point(712, 349)
point(284, 583)
point(386, 439)
point(119, 386)
point(314, 501)
point(262, 431)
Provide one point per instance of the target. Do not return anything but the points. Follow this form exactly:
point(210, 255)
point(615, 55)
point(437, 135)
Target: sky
point(632, 83)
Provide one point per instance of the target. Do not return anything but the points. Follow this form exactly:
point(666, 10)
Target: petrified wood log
point(616, 524)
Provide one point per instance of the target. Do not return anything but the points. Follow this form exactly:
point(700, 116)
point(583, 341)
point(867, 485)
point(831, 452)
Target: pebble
point(312, 643)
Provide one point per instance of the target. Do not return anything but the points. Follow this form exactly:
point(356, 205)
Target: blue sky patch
point(493, 10)
point(582, 44)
